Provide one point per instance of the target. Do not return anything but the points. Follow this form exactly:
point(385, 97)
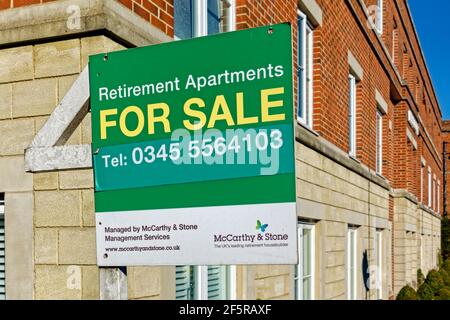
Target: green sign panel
point(196, 136)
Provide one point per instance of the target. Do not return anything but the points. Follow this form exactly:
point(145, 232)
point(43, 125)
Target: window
point(305, 70)
point(438, 202)
point(429, 187)
point(205, 282)
point(351, 263)
point(422, 166)
point(434, 194)
point(202, 17)
point(421, 251)
point(380, 16)
point(183, 19)
point(2, 247)
point(379, 262)
point(379, 142)
point(352, 115)
point(195, 18)
point(304, 271)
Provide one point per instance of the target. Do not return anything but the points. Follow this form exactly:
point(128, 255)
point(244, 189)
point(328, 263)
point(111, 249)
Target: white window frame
point(352, 267)
point(379, 263)
point(352, 114)
point(421, 251)
point(305, 102)
point(380, 11)
point(438, 202)
point(434, 194)
point(299, 279)
point(200, 17)
point(422, 167)
point(429, 187)
point(201, 279)
point(379, 143)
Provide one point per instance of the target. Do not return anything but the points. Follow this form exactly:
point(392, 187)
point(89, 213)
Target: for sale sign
point(193, 151)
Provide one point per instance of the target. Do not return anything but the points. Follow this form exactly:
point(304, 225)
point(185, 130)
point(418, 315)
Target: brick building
point(368, 151)
point(446, 153)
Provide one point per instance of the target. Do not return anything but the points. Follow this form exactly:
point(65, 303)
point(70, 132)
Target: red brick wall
point(446, 138)
point(158, 12)
point(7, 4)
point(387, 68)
point(419, 97)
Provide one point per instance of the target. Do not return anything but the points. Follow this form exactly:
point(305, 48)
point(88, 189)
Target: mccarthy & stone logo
point(261, 227)
point(251, 238)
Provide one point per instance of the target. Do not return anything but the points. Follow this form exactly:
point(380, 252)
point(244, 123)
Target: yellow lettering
point(220, 103)
point(266, 105)
point(123, 121)
point(152, 119)
point(197, 125)
point(104, 123)
point(241, 119)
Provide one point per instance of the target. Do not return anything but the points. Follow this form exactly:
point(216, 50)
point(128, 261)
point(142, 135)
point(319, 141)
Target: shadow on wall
point(365, 272)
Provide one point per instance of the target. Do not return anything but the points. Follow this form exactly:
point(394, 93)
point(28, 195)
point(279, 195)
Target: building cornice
point(329, 150)
point(71, 18)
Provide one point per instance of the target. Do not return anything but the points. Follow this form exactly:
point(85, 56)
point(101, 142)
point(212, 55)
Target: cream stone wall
point(333, 197)
point(337, 197)
point(50, 234)
point(417, 240)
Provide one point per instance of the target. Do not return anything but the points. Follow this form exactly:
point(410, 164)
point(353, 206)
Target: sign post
point(193, 151)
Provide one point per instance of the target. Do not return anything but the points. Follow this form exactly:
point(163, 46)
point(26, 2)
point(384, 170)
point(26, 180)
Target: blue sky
point(432, 20)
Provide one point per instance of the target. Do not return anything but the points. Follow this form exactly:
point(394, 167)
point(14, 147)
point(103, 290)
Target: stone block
point(16, 64)
point(334, 244)
point(335, 290)
point(45, 246)
point(19, 245)
point(45, 181)
point(15, 135)
point(264, 271)
point(144, 282)
point(5, 101)
point(333, 274)
point(57, 208)
point(272, 287)
point(13, 177)
point(309, 156)
point(86, 131)
point(90, 283)
point(335, 259)
point(34, 98)
point(76, 179)
point(77, 246)
point(57, 282)
point(88, 210)
point(335, 229)
point(64, 84)
point(95, 45)
point(57, 58)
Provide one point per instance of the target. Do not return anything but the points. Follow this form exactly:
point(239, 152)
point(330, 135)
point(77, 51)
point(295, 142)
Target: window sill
point(352, 157)
point(381, 176)
point(305, 126)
